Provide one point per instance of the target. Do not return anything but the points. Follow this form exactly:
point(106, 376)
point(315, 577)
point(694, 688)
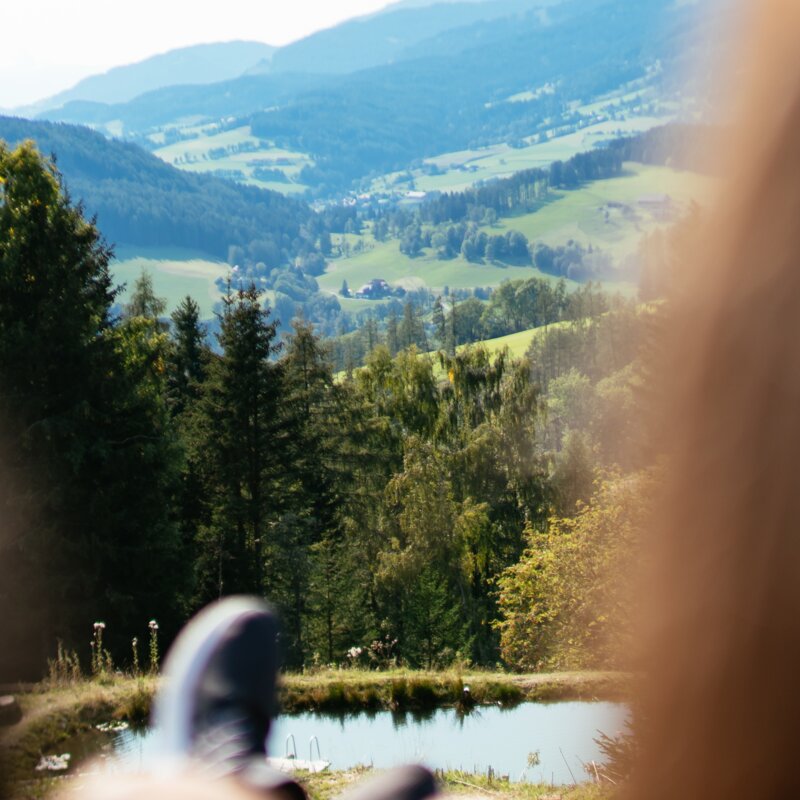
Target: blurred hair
point(720, 710)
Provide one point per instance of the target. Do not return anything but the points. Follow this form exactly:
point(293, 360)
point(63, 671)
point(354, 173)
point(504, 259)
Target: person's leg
point(214, 710)
point(212, 715)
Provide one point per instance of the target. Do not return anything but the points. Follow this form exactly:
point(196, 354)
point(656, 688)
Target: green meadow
point(464, 168)
point(605, 214)
point(195, 155)
point(175, 272)
point(585, 215)
point(517, 343)
point(384, 260)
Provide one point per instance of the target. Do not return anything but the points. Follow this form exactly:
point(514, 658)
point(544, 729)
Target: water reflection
point(486, 738)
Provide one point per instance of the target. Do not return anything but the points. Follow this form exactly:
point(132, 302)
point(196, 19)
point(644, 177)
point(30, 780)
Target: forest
point(139, 200)
point(408, 513)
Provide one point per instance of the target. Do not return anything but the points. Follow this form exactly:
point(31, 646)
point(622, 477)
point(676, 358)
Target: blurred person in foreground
point(722, 637)
point(721, 702)
point(212, 716)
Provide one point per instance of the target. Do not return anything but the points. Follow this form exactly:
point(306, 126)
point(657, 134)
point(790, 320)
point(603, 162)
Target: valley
point(175, 273)
point(360, 324)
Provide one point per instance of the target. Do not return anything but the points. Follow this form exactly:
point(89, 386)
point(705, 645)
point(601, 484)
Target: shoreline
point(54, 713)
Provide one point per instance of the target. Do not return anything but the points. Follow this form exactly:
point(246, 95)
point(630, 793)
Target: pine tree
point(411, 331)
point(439, 323)
point(85, 400)
point(189, 355)
point(372, 339)
point(237, 438)
point(392, 338)
point(308, 497)
point(187, 366)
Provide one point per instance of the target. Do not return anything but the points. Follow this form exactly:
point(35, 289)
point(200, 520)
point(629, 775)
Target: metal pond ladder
point(311, 742)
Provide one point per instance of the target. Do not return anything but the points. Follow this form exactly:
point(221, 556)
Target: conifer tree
point(439, 323)
point(189, 355)
point(392, 338)
point(308, 494)
point(237, 438)
point(84, 397)
point(411, 330)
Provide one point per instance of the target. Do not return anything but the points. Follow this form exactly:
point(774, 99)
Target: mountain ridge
point(193, 65)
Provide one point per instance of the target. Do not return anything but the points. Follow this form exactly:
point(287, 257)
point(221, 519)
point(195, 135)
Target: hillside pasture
point(203, 154)
point(516, 343)
point(465, 168)
point(384, 260)
point(175, 273)
point(607, 213)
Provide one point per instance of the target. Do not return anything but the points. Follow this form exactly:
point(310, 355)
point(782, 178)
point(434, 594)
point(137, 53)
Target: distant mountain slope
point(200, 64)
point(171, 104)
point(381, 119)
point(140, 200)
point(452, 96)
point(385, 37)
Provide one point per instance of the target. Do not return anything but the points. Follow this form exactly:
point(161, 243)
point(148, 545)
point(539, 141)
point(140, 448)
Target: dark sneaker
point(218, 697)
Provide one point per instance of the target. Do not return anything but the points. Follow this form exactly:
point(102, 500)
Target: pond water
point(489, 737)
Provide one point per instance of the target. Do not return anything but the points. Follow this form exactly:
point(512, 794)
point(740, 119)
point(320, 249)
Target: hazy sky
point(48, 45)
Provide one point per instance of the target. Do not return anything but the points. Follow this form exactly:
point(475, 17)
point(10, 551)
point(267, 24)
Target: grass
point(175, 274)
point(53, 714)
point(517, 343)
point(384, 260)
point(352, 689)
point(194, 155)
point(580, 214)
point(327, 785)
point(464, 168)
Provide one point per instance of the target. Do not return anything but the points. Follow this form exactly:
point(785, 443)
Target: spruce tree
point(187, 367)
point(310, 481)
point(189, 355)
point(84, 399)
point(237, 439)
point(392, 337)
point(439, 323)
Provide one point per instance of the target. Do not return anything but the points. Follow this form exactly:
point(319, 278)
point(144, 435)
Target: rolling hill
point(199, 64)
point(384, 118)
point(140, 200)
point(394, 34)
point(463, 75)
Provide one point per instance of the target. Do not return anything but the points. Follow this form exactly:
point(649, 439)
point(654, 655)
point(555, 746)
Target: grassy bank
point(352, 690)
point(53, 714)
point(328, 785)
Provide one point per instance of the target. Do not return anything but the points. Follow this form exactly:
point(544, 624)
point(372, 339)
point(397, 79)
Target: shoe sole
point(173, 708)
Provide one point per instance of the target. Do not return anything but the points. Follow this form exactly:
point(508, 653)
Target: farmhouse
point(374, 290)
point(413, 197)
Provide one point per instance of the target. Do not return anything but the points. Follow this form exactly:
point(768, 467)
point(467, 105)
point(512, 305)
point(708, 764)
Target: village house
point(374, 290)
